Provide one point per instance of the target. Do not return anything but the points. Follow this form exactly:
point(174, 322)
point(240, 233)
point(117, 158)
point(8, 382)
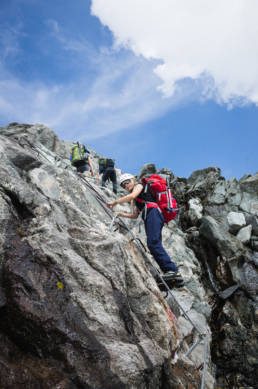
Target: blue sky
point(171, 83)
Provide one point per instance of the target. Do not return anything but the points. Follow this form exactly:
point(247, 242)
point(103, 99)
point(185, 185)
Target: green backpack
point(106, 162)
point(79, 154)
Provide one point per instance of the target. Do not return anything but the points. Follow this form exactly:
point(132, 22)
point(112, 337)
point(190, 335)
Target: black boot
point(173, 279)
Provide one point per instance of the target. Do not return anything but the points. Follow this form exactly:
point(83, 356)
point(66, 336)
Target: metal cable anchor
point(113, 221)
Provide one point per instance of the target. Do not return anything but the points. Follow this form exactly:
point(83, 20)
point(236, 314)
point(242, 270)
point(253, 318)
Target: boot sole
point(171, 284)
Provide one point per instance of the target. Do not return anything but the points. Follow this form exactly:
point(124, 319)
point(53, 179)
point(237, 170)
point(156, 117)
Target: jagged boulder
point(233, 194)
point(227, 246)
point(249, 184)
point(229, 265)
point(218, 195)
point(253, 221)
point(235, 339)
point(203, 181)
point(147, 169)
point(28, 134)
point(236, 220)
point(168, 173)
point(254, 243)
point(195, 211)
point(244, 235)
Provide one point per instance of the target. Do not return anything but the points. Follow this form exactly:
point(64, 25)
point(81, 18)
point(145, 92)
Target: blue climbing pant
point(154, 223)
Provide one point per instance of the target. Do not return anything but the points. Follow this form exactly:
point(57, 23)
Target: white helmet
point(126, 176)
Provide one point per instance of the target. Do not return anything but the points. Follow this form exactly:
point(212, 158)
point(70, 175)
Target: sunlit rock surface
point(79, 305)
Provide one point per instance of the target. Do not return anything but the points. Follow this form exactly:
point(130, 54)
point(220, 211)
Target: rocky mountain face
point(79, 305)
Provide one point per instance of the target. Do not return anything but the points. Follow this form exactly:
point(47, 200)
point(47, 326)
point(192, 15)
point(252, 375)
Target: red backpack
point(164, 198)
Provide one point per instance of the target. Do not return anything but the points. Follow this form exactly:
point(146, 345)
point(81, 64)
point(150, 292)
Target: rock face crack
point(21, 209)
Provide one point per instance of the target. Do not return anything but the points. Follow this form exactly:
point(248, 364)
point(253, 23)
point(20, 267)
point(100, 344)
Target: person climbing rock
point(153, 221)
point(107, 169)
point(80, 158)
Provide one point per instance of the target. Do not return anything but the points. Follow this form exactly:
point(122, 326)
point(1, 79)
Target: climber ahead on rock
point(148, 195)
point(80, 158)
point(107, 168)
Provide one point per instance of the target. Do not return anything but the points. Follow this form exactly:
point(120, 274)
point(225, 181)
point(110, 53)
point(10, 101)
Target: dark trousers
point(154, 223)
point(110, 173)
point(83, 168)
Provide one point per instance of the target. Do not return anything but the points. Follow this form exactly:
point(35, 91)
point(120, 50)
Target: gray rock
point(227, 245)
point(218, 195)
point(202, 308)
point(250, 184)
point(195, 211)
point(245, 176)
point(228, 292)
point(208, 176)
point(253, 221)
point(249, 203)
point(202, 182)
point(30, 135)
point(251, 279)
point(225, 259)
point(255, 259)
point(178, 187)
point(233, 194)
point(77, 298)
point(147, 169)
point(236, 220)
point(234, 340)
point(254, 243)
point(168, 173)
point(196, 207)
point(244, 235)
point(254, 208)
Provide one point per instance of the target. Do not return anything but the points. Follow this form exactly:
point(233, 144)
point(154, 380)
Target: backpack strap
point(147, 205)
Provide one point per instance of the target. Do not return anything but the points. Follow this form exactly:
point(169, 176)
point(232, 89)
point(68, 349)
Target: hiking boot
point(173, 279)
point(172, 275)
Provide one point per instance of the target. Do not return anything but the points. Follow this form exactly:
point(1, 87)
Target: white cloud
point(215, 41)
point(68, 43)
point(112, 90)
point(122, 94)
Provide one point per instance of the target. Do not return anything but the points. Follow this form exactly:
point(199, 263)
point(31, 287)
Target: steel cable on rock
point(102, 201)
